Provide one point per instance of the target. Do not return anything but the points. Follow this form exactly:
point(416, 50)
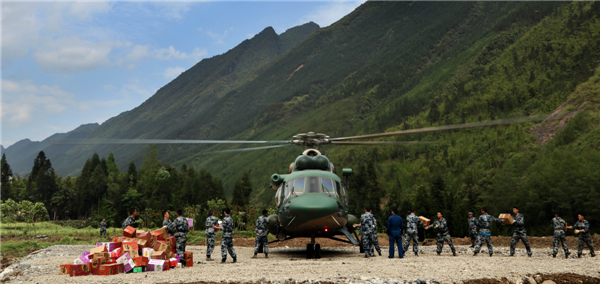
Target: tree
point(111, 165)
point(42, 181)
point(6, 179)
point(9, 210)
point(242, 190)
point(98, 185)
point(132, 173)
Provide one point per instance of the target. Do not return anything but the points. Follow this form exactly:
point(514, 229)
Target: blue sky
point(69, 63)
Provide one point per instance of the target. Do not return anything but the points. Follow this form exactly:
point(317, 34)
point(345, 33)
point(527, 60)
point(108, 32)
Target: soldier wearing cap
point(473, 223)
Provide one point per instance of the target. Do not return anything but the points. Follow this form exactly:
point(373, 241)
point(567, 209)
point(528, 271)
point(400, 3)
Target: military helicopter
point(311, 199)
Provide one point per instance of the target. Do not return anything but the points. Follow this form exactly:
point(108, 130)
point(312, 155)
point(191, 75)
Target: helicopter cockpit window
point(338, 189)
point(313, 185)
point(288, 189)
point(345, 195)
point(327, 186)
point(298, 186)
point(278, 195)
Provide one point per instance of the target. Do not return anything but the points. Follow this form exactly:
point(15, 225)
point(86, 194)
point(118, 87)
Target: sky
point(70, 63)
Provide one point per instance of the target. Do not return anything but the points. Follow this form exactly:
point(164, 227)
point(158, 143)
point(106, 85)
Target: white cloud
point(217, 38)
point(21, 100)
point(141, 51)
point(73, 55)
point(173, 72)
point(328, 14)
point(86, 10)
point(20, 29)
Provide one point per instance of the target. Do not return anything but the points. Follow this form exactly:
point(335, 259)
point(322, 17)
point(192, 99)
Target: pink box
point(156, 265)
point(87, 254)
point(109, 246)
point(128, 263)
point(190, 222)
point(82, 260)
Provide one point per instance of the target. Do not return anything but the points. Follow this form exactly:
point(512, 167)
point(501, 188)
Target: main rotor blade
point(447, 127)
point(248, 149)
point(384, 142)
point(155, 141)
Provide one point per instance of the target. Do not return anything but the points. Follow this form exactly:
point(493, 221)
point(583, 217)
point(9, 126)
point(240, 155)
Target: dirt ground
point(557, 278)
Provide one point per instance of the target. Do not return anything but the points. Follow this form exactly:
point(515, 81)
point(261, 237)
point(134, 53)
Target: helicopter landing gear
point(313, 250)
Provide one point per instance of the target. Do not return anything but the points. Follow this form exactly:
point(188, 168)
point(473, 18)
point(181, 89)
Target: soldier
point(443, 234)
point(262, 224)
point(485, 221)
point(395, 226)
point(366, 227)
point(582, 227)
point(180, 228)
point(520, 233)
point(212, 223)
point(374, 236)
point(412, 221)
point(473, 229)
point(166, 221)
point(227, 240)
point(130, 221)
point(560, 226)
point(103, 228)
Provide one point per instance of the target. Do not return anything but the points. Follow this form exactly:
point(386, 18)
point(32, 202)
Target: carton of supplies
point(506, 218)
point(158, 255)
point(110, 269)
point(142, 243)
point(81, 260)
point(116, 253)
point(147, 252)
point(173, 262)
point(109, 246)
point(95, 266)
point(138, 233)
point(101, 254)
point(172, 241)
point(131, 246)
point(128, 263)
point(190, 223)
point(132, 253)
point(78, 269)
point(79, 273)
point(188, 257)
point(157, 235)
point(66, 268)
point(156, 265)
point(178, 266)
point(141, 261)
point(129, 232)
point(425, 221)
point(139, 269)
point(162, 246)
point(145, 236)
point(87, 254)
point(173, 249)
point(101, 248)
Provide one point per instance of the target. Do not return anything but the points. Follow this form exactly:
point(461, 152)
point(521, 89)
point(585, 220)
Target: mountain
point(21, 155)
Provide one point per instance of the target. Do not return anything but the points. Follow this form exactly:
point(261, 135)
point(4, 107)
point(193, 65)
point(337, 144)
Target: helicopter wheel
point(317, 251)
point(309, 251)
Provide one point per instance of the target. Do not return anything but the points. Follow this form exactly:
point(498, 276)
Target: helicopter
point(311, 199)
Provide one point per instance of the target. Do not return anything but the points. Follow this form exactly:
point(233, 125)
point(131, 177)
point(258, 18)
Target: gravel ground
point(343, 264)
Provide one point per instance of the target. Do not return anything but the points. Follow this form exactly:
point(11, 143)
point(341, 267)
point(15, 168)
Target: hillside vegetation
point(400, 65)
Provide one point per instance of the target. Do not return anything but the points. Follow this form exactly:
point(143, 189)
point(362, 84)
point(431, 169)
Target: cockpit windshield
point(303, 185)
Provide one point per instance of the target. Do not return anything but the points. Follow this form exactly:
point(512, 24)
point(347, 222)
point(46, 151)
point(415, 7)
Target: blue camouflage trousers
point(180, 246)
point(375, 244)
point(261, 239)
point(103, 231)
point(441, 238)
point(559, 237)
point(515, 239)
point(414, 236)
point(488, 240)
point(227, 246)
point(584, 239)
point(210, 243)
point(367, 240)
point(473, 235)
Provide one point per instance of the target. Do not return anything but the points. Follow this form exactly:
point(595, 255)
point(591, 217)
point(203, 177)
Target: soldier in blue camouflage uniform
point(211, 224)
point(412, 221)
point(520, 233)
point(262, 224)
point(166, 221)
point(560, 226)
point(582, 227)
point(485, 222)
point(366, 228)
point(103, 228)
point(227, 241)
point(374, 236)
point(130, 221)
point(443, 234)
point(473, 223)
point(180, 228)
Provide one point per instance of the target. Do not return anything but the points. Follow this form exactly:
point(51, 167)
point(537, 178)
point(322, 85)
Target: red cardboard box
point(101, 254)
point(131, 246)
point(132, 253)
point(129, 232)
point(188, 258)
point(162, 246)
point(140, 261)
point(159, 255)
point(173, 250)
point(172, 241)
point(158, 235)
point(79, 273)
point(70, 268)
point(111, 269)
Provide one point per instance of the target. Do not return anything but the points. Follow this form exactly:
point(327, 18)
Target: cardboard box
point(79, 273)
point(138, 232)
point(156, 265)
point(116, 253)
point(101, 248)
point(69, 268)
point(143, 243)
point(139, 269)
point(146, 236)
point(162, 246)
point(129, 232)
point(110, 269)
point(147, 252)
point(425, 221)
point(109, 246)
point(159, 255)
point(160, 234)
point(65, 268)
point(101, 254)
point(188, 258)
point(173, 262)
point(132, 253)
point(173, 250)
point(81, 260)
point(87, 254)
point(127, 261)
point(131, 246)
point(141, 261)
point(506, 218)
point(172, 241)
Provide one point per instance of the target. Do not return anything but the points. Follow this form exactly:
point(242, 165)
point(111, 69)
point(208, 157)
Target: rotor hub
point(310, 139)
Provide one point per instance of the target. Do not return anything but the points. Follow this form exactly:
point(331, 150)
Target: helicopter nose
point(313, 206)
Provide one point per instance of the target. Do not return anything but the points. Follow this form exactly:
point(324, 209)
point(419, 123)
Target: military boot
point(266, 256)
point(438, 253)
point(593, 254)
point(254, 256)
point(208, 258)
point(234, 259)
point(223, 261)
point(379, 252)
point(567, 254)
point(474, 254)
point(454, 253)
point(416, 253)
point(554, 256)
